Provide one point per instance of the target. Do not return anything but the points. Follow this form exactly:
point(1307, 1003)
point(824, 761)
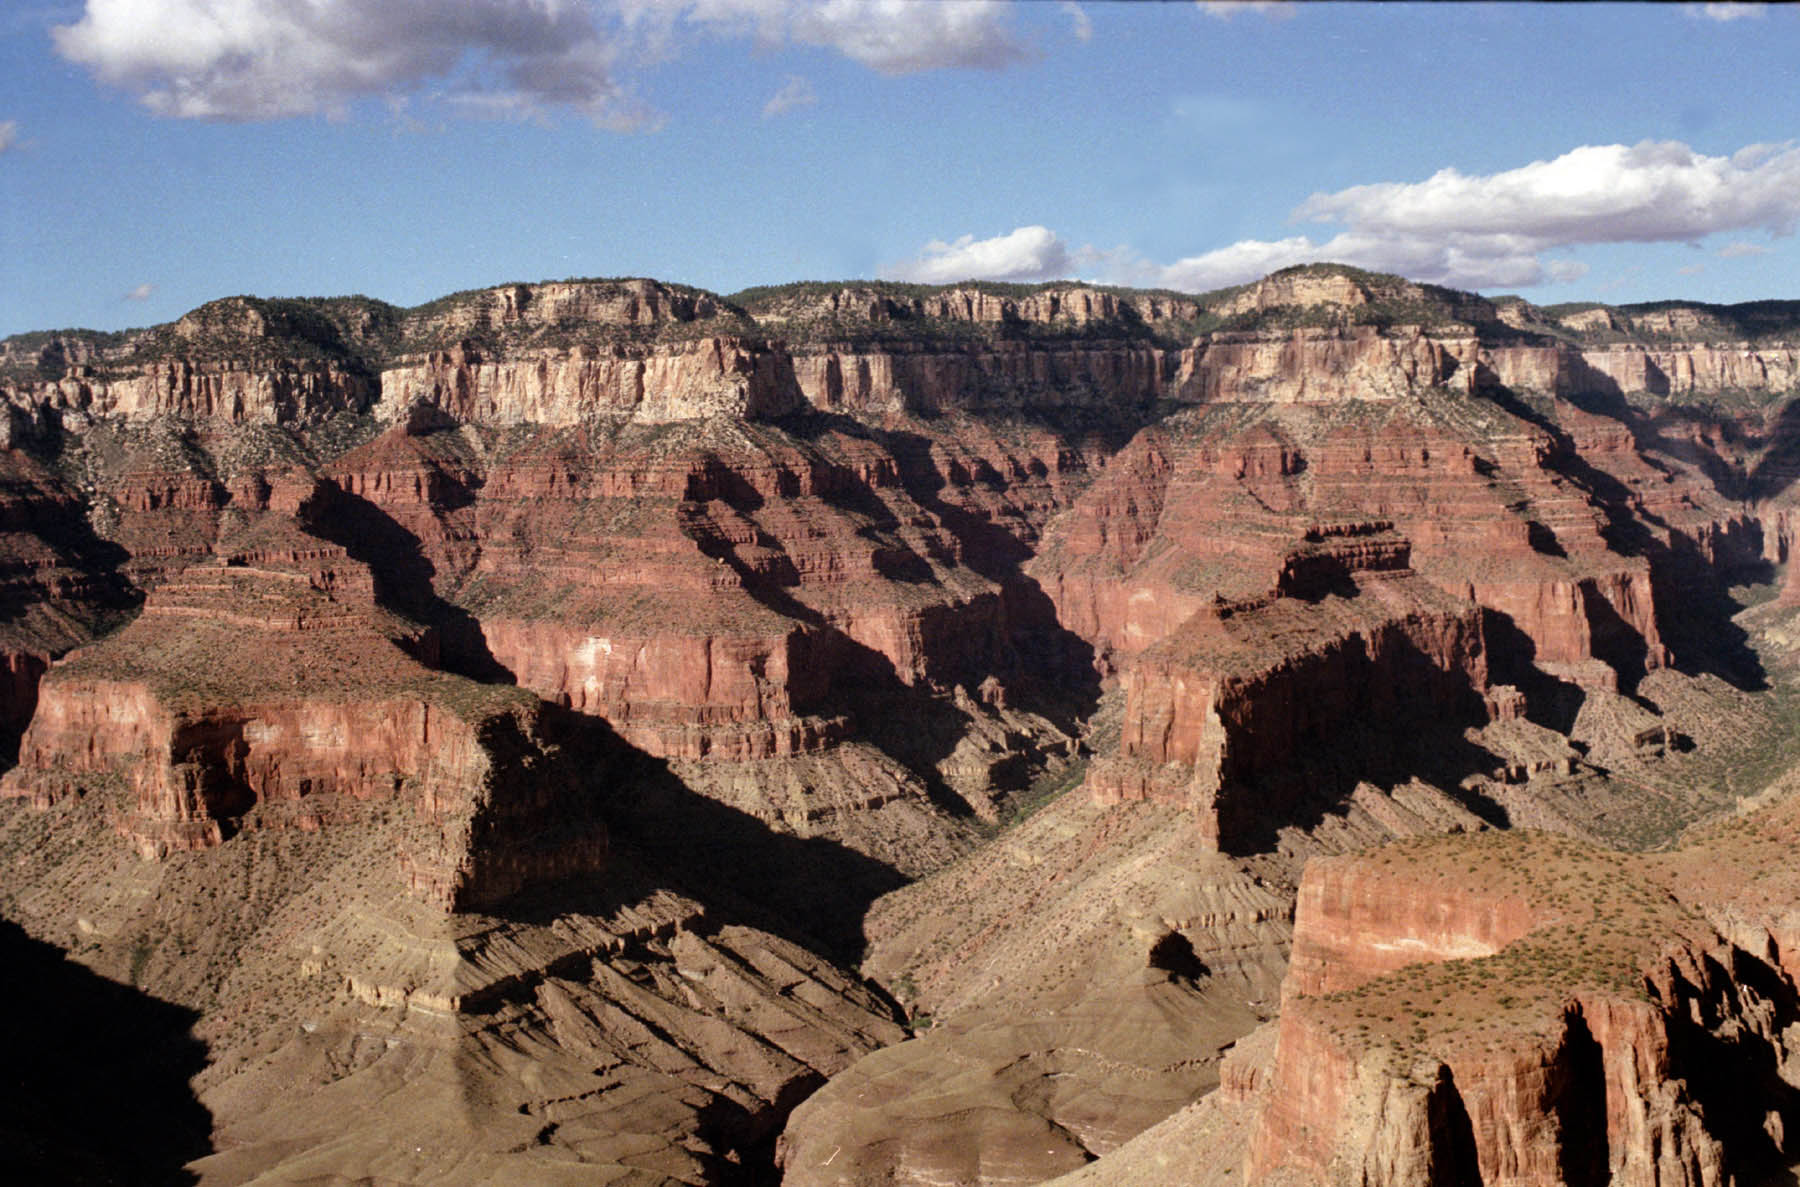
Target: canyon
point(1335, 729)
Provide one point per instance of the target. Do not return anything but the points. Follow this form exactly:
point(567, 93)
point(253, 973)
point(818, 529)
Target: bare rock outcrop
point(268, 690)
point(1524, 1008)
point(811, 587)
point(653, 384)
point(1217, 711)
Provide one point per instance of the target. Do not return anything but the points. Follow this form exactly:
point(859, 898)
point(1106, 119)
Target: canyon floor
point(1333, 730)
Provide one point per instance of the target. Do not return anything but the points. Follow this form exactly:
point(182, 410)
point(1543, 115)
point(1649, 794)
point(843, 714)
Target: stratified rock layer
point(1527, 1009)
point(797, 587)
point(259, 691)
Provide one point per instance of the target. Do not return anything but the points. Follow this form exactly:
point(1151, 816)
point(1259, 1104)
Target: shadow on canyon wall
point(1419, 735)
point(1011, 634)
point(1779, 467)
point(808, 890)
point(404, 578)
point(1689, 587)
point(95, 1089)
point(811, 891)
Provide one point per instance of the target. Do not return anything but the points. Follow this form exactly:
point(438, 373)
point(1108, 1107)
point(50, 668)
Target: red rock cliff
point(1527, 1009)
point(266, 690)
point(1217, 713)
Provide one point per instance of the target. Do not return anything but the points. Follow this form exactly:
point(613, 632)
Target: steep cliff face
point(1209, 504)
point(1224, 564)
point(524, 310)
point(285, 394)
point(58, 587)
point(1531, 1010)
point(1315, 364)
point(645, 384)
point(811, 571)
point(262, 691)
point(726, 590)
point(1218, 711)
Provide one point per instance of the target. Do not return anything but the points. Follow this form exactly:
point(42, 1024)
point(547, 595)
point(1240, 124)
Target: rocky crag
point(649, 635)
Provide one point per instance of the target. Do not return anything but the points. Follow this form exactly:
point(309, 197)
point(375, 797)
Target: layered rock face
point(1273, 580)
point(1238, 691)
point(1527, 1009)
point(235, 361)
point(57, 585)
point(260, 691)
point(706, 377)
point(1210, 504)
point(781, 585)
point(731, 592)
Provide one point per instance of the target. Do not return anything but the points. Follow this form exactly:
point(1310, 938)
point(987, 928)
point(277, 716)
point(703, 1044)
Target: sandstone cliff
point(1218, 709)
point(1527, 1009)
point(262, 691)
point(823, 576)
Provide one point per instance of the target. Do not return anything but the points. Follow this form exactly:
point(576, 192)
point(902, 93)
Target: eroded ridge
point(267, 688)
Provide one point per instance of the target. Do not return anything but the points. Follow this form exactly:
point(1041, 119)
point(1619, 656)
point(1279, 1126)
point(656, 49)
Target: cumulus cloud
point(1469, 231)
point(9, 134)
point(1241, 261)
point(264, 59)
point(795, 92)
point(141, 292)
point(1025, 254)
point(269, 59)
point(1612, 193)
point(1476, 231)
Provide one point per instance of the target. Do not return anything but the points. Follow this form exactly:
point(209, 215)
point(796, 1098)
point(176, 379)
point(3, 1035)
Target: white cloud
point(1083, 27)
point(140, 293)
point(1026, 254)
point(1690, 269)
point(1224, 10)
point(1241, 261)
point(1740, 249)
point(9, 134)
point(1493, 230)
point(795, 92)
point(1565, 271)
point(1724, 12)
point(270, 59)
point(888, 36)
point(1473, 232)
point(1654, 191)
point(265, 59)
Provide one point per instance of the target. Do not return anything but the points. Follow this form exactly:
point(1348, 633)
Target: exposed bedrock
point(679, 696)
point(1277, 585)
point(59, 586)
point(267, 689)
point(1674, 371)
point(794, 583)
point(648, 385)
point(1220, 710)
point(1515, 1008)
point(732, 592)
point(289, 392)
point(1212, 504)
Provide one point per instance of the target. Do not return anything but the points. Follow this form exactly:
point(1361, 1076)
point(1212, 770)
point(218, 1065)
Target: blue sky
point(155, 154)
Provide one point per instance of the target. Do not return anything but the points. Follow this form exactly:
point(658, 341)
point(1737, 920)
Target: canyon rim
point(1330, 730)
